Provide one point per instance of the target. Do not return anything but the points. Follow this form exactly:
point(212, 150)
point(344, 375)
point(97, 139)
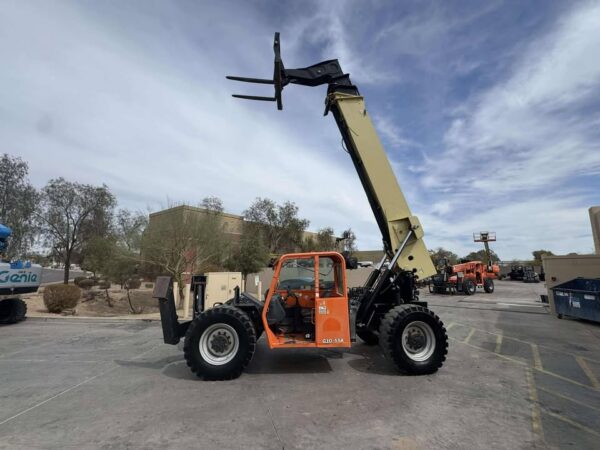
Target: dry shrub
point(133, 283)
point(86, 284)
point(58, 297)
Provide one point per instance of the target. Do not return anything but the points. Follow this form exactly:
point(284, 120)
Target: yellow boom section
point(384, 193)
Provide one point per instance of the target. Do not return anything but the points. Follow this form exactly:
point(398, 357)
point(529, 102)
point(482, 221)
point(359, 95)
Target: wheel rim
point(219, 344)
point(418, 341)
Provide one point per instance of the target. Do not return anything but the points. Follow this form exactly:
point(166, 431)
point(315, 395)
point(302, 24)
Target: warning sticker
point(323, 309)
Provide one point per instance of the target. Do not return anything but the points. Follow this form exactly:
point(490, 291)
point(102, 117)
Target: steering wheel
point(294, 296)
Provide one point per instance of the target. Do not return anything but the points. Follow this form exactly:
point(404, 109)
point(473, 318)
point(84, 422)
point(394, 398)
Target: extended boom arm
point(401, 231)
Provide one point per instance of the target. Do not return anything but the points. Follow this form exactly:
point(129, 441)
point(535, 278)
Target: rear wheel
point(12, 310)
point(469, 287)
point(414, 339)
point(488, 285)
point(220, 343)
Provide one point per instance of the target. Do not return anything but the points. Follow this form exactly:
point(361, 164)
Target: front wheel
point(469, 287)
point(488, 285)
point(414, 339)
point(219, 343)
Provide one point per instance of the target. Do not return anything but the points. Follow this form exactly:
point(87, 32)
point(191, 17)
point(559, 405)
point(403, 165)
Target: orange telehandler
point(308, 304)
point(466, 277)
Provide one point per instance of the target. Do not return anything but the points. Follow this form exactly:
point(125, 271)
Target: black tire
point(391, 334)
point(469, 287)
point(488, 285)
point(368, 337)
point(236, 330)
point(12, 310)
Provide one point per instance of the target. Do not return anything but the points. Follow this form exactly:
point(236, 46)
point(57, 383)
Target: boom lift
point(308, 304)
point(16, 277)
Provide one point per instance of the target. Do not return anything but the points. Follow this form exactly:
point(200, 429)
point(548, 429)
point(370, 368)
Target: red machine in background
point(468, 276)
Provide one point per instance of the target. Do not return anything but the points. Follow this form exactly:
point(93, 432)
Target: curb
point(91, 319)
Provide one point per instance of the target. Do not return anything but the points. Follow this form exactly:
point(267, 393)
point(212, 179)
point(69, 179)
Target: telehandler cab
point(308, 304)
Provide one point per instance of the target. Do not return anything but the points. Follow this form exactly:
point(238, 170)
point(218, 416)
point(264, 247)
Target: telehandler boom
point(308, 303)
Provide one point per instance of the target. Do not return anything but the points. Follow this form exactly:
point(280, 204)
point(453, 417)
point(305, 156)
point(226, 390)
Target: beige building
point(560, 269)
point(232, 224)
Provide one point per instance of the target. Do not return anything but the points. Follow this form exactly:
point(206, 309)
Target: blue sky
point(489, 111)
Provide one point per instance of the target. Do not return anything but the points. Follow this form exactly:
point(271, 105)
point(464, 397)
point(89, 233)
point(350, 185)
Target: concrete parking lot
point(516, 377)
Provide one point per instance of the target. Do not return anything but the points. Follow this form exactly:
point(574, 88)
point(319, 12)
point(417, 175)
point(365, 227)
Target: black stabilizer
point(173, 331)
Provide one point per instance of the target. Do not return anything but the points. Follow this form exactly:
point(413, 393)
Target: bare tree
point(71, 212)
point(183, 241)
point(213, 204)
point(129, 227)
point(18, 202)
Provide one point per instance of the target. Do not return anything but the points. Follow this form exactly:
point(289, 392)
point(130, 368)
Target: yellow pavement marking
point(527, 342)
point(469, 336)
point(537, 361)
point(450, 325)
point(523, 363)
point(565, 397)
point(536, 418)
point(571, 422)
point(588, 371)
point(508, 358)
point(498, 343)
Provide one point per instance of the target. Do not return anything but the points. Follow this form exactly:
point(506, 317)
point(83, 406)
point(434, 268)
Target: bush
point(78, 280)
point(133, 283)
point(58, 297)
point(86, 284)
point(103, 284)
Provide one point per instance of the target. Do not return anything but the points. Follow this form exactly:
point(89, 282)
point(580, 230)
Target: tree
point(98, 254)
point(480, 256)
point(213, 204)
point(18, 202)
point(325, 239)
point(129, 227)
point(181, 242)
point(250, 256)
point(70, 214)
point(278, 225)
point(349, 241)
point(440, 253)
point(538, 254)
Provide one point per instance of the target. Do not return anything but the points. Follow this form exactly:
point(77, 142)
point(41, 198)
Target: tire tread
point(239, 315)
point(387, 335)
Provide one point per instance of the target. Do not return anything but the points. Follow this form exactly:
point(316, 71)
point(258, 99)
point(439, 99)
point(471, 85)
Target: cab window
point(330, 277)
point(297, 274)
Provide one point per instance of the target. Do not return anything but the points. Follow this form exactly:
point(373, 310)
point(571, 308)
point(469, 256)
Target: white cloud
point(533, 129)
point(136, 98)
point(91, 104)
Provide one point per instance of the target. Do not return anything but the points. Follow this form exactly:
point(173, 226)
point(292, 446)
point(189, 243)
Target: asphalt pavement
point(57, 275)
point(516, 377)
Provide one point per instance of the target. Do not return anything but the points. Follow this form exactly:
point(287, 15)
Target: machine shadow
point(290, 361)
point(371, 360)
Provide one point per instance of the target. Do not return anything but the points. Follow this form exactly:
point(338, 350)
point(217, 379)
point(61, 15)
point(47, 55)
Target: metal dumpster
point(579, 297)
